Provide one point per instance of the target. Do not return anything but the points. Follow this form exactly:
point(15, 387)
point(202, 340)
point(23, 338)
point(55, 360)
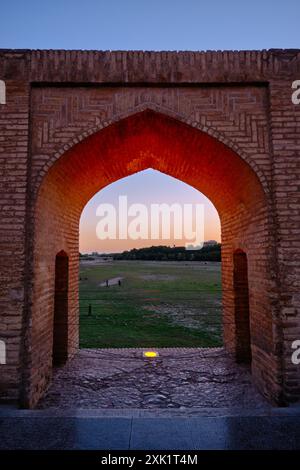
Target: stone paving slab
point(65, 433)
point(179, 378)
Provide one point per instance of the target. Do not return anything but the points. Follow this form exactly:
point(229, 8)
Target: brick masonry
point(75, 121)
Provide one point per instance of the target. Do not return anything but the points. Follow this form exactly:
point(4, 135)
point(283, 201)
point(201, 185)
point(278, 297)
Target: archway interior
point(147, 140)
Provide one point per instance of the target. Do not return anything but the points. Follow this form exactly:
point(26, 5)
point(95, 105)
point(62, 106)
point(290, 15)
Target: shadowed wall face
point(241, 307)
point(60, 326)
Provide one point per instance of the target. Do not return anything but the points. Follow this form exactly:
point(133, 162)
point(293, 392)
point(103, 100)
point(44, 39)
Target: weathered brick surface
point(76, 121)
point(285, 134)
point(14, 141)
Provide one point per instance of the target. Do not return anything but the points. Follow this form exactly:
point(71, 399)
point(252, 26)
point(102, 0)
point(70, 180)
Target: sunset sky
point(146, 187)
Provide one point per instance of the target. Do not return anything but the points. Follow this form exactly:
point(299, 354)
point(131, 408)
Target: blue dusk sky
point(149, 25)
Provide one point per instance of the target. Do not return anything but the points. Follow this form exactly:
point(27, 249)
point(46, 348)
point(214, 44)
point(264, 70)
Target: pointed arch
point(148, 139)
point(158, 110)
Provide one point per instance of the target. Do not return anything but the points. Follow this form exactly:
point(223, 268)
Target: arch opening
point(146, 282)
point(149, 140)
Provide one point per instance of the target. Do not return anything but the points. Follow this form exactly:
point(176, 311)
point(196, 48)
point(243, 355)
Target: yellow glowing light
point(150, 354)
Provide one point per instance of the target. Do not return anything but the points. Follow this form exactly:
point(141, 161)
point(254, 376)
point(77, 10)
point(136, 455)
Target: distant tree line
point(86, 256)
point(176, 253)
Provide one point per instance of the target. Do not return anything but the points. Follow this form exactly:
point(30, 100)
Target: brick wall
point(285, 134)
point(76, 121)
point(14, 142)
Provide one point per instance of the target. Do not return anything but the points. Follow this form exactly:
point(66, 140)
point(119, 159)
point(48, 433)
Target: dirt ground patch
point(158, 277)
point(189, 317)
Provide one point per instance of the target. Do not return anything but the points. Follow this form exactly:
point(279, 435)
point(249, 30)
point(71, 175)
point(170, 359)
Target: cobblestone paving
point(177, 378)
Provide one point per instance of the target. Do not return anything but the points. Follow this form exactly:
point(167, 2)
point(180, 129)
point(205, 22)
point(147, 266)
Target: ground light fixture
point(150, 354)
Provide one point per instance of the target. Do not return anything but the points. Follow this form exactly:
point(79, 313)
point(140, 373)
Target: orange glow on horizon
point(89, 241)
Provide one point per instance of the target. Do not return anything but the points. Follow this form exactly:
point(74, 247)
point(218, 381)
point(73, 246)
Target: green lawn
point(159, 304)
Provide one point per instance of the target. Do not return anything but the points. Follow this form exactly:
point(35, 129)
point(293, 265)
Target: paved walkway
point(186, 399)
point(94, 430)
point(178, 378)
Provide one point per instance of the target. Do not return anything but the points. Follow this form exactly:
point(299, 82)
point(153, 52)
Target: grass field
point(159, 304)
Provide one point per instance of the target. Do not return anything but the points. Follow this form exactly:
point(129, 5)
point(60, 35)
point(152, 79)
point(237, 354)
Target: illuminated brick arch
point(148, 107)
point(147, 140)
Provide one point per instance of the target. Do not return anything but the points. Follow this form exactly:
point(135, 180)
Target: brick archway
point(147, 139)
point(61, 106)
